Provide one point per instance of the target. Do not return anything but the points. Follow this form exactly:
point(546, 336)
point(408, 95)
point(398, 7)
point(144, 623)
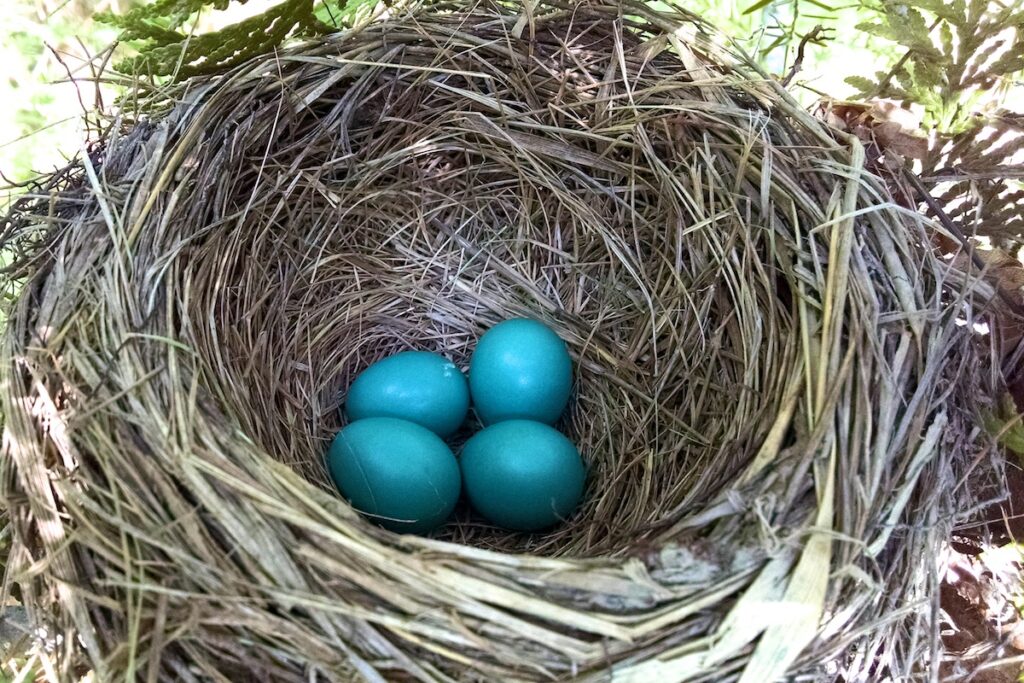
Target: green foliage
point(40, 124)
point(166, 48)
point(797, 39)
point(778, 26)
point(953, 54)
point(1004, 423)
point(957, 62)
point(976, 177)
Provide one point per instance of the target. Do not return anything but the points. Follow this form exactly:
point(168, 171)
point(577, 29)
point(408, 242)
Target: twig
point(817, 33)
point(946, 221)
point(952, 176)
point(73, 81)
point(949, 225)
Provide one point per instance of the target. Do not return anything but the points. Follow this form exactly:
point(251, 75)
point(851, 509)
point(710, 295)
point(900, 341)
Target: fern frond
point(165, 50)
point(978, 178)
point(952, 50)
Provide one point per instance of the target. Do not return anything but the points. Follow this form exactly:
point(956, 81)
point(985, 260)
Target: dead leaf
point(882, 122)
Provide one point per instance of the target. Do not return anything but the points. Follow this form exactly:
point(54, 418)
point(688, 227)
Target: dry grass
point(774, 395)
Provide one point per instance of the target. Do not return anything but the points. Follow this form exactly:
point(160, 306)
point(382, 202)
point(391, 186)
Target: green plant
point(163, 33)
point(40, 124)
point(1004, 423)
point(785, 23)
point(955, 54)
point(955, 64)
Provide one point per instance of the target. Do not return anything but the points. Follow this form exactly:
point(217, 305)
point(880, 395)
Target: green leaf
point(1009, 63)
point(975, 11)
point(909, 29)
point(946, 36)
point(868, 26)
point(865, 85)
point(822, 5)
point(1009, 432)
point(166, 52)
point(779, 40)
point(760, 4)
point(943, 10)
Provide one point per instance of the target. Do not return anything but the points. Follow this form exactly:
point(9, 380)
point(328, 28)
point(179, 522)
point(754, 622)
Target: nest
point(770, 392)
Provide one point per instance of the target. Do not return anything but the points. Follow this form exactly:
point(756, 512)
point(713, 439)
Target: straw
point(769, 355)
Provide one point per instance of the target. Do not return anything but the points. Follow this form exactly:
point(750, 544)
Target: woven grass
point(775, 387)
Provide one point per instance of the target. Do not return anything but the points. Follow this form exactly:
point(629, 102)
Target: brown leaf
point(890, 127)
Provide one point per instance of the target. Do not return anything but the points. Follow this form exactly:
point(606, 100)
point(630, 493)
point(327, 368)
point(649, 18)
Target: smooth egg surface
point(417, 386)
point(397, 472)
point(522, 475)
point(520, 370)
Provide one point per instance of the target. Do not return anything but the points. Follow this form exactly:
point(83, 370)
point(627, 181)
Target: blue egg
point(520, 370)
point(522, 475)
point(400, 474)
point(417, 386)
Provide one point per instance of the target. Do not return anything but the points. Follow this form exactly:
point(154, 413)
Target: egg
point(400, 474)
point(520, 370)
point(417, 386)
point(522, 475)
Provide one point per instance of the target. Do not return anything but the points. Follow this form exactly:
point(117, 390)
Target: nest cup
point(766, 349)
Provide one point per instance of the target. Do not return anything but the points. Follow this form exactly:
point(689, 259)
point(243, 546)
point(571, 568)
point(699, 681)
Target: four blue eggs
point(392, 464)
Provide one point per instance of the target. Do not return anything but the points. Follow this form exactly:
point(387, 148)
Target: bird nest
point(769, 355)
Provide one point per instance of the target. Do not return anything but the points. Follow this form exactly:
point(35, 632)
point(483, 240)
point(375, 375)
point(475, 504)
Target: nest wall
point(770, 390)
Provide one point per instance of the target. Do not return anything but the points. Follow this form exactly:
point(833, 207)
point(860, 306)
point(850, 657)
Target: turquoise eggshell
point(522, 475)
point(520, 370)
point(418, 386)
point(397, 472)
